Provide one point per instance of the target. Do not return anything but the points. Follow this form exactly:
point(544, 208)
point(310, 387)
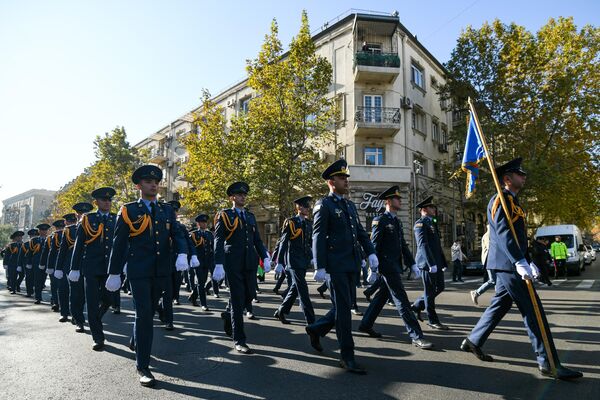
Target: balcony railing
point(377, 115)
point(372, 59)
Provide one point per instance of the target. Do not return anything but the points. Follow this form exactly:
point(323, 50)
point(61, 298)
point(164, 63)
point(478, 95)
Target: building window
point(417, 76)
point(245, 105)
point(372, 108)
point(420, 165)
point(435, 131)
point(418, 120)
point(373, 155)
point(444, 137)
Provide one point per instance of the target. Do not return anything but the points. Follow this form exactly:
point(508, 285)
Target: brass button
point(158, 252)
point(157, 242)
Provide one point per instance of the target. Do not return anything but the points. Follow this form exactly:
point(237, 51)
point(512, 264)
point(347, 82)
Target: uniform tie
point(153, 209)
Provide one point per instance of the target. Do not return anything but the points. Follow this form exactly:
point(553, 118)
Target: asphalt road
point(42, 358)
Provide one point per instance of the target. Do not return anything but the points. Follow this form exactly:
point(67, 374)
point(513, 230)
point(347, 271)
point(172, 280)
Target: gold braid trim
point(14, 250)
point(25, 249)
point(70, 241)
point(228, 225)
point(197, 243)
point(56, 242)
point(495, 207)
point(295, 232)
point(144, 222)
point(90, 232)
point(35, 248)
point(516, 210)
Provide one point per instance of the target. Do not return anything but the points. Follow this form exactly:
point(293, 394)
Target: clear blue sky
point(70, 70)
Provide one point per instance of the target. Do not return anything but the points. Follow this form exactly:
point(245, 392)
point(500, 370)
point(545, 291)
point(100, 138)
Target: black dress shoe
point(146, 377)
point(281, 317)
point(468, 346)
point(356, 311)
point(204, 308)
point(367, 296)
point(369, 331)
point(250, 315)
point(169, 326)
point(161, 314)
point(195, 303)
point(131, 344)
point(54, 307)
point(562, 373)
point(439, 326)
point(242, 348)
point(275, 290)
point(422, 344)
point(417, 313)
point(352, 366)
point(79, 329)
point(227, 323)
point(63, 319)
point(98, 346)
point(27, 295)
point(37, 302)
point(116, 310)
point(315, 341)
point(177, 302)
point(322, 293)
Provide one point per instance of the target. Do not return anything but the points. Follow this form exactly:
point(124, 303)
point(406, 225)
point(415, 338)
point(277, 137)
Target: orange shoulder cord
point(70, 241)
point(197, 243)
point(515, 211)
point(35, 248)
point(144, 222)
point(295, 232)
point(25, 249)
point(14, 249)
point(56, 242)
point(90, 232)
point(228, 225)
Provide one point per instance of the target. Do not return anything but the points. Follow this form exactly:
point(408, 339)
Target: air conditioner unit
point(270, 229)
point(231, 103)
point(406, 103)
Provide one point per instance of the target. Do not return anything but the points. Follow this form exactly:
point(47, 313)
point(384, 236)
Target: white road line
point(585, 284)
point(558, 282)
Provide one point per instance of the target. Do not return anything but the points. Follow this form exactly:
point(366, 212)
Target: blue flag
point(473, 155)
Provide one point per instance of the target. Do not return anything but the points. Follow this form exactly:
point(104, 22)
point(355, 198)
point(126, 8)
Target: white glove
point(267, 264)
point(312, 262)
point(327, 277)
point(523, 269)
point(19, 269)
point(28, 266)
point(58, 274)
point(113, 283)
point(50, 271)
point(194, 262)
point(534, 270)
point(363, 263)
point(74, 275)
point(319, 275)
point(279, 268)
point(416, 271)
point(433, 269)
point(373, 262)
point(218, 273)
point(181, 264)
point(372, 277)
point(42, 267)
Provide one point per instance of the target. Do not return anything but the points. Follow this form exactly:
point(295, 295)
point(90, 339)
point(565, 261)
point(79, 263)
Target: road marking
point(585, 284)
point(557, 282)
point(462, 283)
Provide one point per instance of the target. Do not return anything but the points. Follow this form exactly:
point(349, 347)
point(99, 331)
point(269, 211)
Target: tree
point(5, 232)
point(115, 161)
point(275, 145)
point(537, 97)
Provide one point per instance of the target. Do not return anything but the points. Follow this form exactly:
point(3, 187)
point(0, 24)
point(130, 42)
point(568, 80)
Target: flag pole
point(528, 282)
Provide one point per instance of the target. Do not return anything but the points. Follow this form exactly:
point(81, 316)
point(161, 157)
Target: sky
point(71, 70)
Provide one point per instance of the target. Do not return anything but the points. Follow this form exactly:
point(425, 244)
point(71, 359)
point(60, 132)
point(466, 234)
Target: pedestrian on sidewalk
point(457, 258)
point(491, 273)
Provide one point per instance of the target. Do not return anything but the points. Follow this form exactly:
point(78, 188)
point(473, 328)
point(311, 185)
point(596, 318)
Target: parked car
point(596, 246)
point(590, 254)
point(473, 264)
point(571, 236)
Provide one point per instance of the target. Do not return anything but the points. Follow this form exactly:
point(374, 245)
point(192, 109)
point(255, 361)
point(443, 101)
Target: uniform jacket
point(539, 254)
point(429, 248)
point(12, 253)
point(203, 244)
point(387, 236)
point(144, 242)
point(237, 244)
point(93, 244)
point(504, 250)
point(23, 254)
point(65, 252)
point(188, 246)
point(36, 246)
point(55, 242)
point(337, 235)
point(46, 247)
point(295, 243)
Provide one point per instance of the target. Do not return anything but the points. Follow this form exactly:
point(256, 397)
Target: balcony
point(380, 173)
point(157, 155)
point(376, 121)
point(376, 67)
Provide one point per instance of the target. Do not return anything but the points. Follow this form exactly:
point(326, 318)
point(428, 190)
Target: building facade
point(392, 128)
point(26, 210)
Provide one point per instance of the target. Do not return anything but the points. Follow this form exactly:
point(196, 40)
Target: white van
point(571, 236)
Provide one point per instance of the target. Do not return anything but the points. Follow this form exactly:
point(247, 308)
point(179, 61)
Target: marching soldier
point(388, 238)
point(93, 243)
point(295, 251)
point(430, 261)
point(25, 261)
point(39, 270)
point(237, 247)
point(337, 234)
point(12, 260)
point(142, 240)
point(49, 253)
point(508, 257)
point(203, 243)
